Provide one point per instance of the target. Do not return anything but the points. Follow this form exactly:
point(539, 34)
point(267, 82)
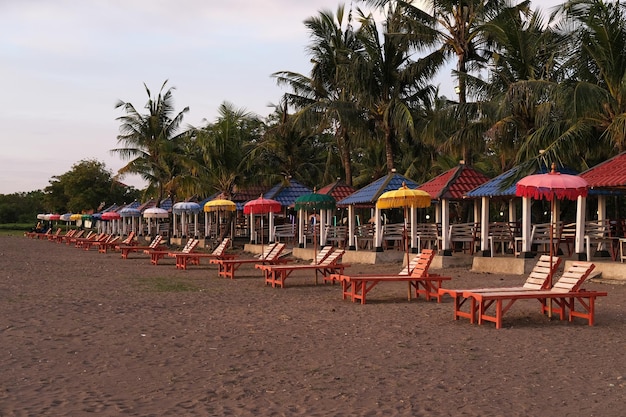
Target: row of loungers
point(566, 297)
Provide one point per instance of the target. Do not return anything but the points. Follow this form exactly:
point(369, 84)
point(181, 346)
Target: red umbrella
point(551, 187)
point(262, 206)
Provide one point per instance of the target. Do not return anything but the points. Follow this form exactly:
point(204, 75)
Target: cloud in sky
point(65, 64)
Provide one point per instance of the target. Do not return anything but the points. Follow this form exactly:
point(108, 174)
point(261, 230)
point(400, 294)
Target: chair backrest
point(221, 248)
point(129, 238)
point(573, 277)
point(411, 266)
point(274, 254)
point(540, 278)
point(423, 263)
point(501, 231)
point(267, 250)
point(155, 242)
point(323, 254)
point(190, 245)
point(333, 258)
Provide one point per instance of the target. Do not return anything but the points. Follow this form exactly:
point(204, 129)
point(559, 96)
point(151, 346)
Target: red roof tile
point(338, 189)
point(454, 183)
point(608, 174)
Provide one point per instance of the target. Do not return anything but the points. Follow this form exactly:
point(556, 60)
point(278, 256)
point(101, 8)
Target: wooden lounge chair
point(182, 259)
point(89, 242)
point(423, 282)
point(565, 293)
point(115, 243)
point(228, 267)
point(328, 262)
point(155, 244)
point(51, 237)
point(156, 255)
point(540, 278)
point(59, 238)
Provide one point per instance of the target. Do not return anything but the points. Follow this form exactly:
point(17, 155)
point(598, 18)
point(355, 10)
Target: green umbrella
point(314, 202)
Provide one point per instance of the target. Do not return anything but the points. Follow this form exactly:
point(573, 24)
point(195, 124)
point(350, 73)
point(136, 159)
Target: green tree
point(392, 87)
point(21, 207)
point(152, 143)
point(220, 151)
point(84, 187)
point(326, 99)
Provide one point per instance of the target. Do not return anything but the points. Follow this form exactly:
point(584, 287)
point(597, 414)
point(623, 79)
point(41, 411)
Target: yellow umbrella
point(404, 197)
point(217, 206)
point(220, 205)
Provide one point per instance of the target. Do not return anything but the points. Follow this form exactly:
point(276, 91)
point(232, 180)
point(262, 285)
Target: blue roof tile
point(368, 195)
point(494, 187)
point(286, 194)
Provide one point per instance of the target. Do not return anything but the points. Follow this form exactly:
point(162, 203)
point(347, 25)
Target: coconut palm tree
point(390, 84)
point(220, 150)
point(592, 101)
point(325, 98)
point(151, 142)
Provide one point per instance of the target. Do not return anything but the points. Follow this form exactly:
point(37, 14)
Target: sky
point(66, 63)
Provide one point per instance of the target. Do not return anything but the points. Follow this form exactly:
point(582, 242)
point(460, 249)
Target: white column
point(271, 228)
point(322, 237)
point(484, 225)
point(526, 225)
point(445, 224)
point(579, 241)
point(378, 236)
point(351, 227)
point(301, 236)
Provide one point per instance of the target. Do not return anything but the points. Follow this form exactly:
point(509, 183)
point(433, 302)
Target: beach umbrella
point(75, 217)
point(111, 216)
point(219, 205)
point(155, 213)
point(315, 202)
point(67, 218)
point(183, 209)
point(262, 206)
point(132, 214)
point(404, 197)
point(215, 206)
point(551, 187)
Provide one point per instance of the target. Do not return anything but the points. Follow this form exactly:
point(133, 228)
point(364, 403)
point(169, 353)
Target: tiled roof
point(338, 190)
point(454, 183)
point(608, 174)
point(286, 193)
point(148, 204)
point(368, 195)
point(496, 186)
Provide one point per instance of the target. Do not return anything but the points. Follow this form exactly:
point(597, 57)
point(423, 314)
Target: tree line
point(531, 88)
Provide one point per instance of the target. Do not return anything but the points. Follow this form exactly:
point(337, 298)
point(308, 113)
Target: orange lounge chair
point(113, 243)
point(540, 278)
point(51, 237)
point(59, 238)
point(227, 267)
point(90, 241)
point(328, 265)
point(182, 259)
point(156, 255)
point(155, 244)
point(423, 282)
point(565, 293)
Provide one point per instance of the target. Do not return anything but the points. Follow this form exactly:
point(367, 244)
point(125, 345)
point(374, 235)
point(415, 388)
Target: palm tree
point(591, 125)
point(391, 86)
point(220, 150)
point(325, 99)
point(151, 142)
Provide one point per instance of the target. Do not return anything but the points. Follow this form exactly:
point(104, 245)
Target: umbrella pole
point(551, 252)
point(406, 249)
